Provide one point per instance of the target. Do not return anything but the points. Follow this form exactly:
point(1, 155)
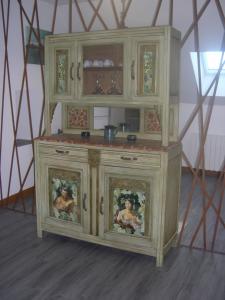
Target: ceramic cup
point(97, 63)
point(88, 63)
point(108, 63)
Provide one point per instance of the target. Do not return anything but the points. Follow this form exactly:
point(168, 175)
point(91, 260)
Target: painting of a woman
point(65, 204)
point(128, 212)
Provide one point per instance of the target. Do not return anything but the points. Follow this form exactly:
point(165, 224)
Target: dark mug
point(85, 134)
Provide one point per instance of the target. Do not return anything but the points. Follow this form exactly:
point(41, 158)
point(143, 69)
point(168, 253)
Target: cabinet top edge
point(157, 30)
point(99, 142)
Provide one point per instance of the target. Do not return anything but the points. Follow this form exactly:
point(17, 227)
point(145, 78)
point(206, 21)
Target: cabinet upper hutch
point(128, 78)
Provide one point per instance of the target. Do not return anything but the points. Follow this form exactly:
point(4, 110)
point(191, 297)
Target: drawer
point(131, 159)
point(63, 151)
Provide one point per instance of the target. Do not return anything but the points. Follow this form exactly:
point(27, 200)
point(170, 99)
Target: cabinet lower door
point(125, 209)
point(65, 205)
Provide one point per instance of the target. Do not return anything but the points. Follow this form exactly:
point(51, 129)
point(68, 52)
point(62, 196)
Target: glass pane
point(129, 204)
point(64, 195)
point(147, 70)
point(125, 119)
point(61, 71)
point(103, 70)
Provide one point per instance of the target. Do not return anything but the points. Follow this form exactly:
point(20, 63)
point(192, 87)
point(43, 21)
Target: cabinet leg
point(39, 233)
point(159, 260)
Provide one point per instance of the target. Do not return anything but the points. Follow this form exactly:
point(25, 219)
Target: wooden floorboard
point(61, 268)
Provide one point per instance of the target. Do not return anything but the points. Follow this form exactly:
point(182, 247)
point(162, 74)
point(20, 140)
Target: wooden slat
point(70, 15)
point(190, 29)
point(94, 15)
point(200, 162)
point(115, 13)
point(197, 107)
point(122, 22)
point(156, 13)
point(80, 15)
point(171, 13)
point(98, 14)
point(54, 16)
point(5, 33)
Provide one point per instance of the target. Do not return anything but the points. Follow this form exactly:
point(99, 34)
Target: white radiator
point(214, 150)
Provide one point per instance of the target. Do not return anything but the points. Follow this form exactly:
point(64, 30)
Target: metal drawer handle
point(102, 206)
point(62, 151)
point(132, 74)
point(71, 71)
point(78, 71)
point(128, 158)
point(84, 202)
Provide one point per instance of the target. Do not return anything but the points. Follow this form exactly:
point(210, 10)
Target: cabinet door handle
point(71, 71)
point(78, 71)
point(62, 151)
point(84, 202)
point(128, 158)
point(132, 74)
point(101, 206)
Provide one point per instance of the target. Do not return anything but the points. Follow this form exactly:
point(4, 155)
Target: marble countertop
point(99, 141)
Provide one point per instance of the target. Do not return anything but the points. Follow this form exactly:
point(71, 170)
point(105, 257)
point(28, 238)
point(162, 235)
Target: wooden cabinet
point(126, 198)
point(131, 68)
point(115, 193)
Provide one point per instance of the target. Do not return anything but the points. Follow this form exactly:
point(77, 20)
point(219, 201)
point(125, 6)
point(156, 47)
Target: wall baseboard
point(15, 197)
point(207, 172)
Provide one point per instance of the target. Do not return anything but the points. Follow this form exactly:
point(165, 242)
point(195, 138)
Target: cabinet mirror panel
point(103, 69)
point(125, 119)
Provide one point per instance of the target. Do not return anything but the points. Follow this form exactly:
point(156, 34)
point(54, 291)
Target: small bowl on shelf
point(131, 138)
point(108, 63)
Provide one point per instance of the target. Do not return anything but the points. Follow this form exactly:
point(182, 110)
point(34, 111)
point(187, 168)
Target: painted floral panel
point(129, 211)
point(78, 117)
point(62, 71)
point(64, 195)
point(147, 70)
point(152, 122)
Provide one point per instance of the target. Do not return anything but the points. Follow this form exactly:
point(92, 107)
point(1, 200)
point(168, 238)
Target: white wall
point(16, 69)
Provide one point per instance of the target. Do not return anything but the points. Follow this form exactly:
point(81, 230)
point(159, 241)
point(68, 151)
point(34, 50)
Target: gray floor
point(61, 268)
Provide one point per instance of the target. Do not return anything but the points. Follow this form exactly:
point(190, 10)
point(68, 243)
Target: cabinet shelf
point(114, 68)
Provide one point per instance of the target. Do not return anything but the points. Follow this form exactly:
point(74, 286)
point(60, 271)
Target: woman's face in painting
point(64, 193)
point(128, 205)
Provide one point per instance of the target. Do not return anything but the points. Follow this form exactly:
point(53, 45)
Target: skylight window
point(212, 61)
point(209, 63)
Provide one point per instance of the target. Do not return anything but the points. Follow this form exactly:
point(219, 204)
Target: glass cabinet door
point(63, 72)
point(145, 69)
point(103, 70)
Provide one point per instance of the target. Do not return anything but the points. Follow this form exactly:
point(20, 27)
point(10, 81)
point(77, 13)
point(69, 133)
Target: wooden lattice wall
point(211, 199)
